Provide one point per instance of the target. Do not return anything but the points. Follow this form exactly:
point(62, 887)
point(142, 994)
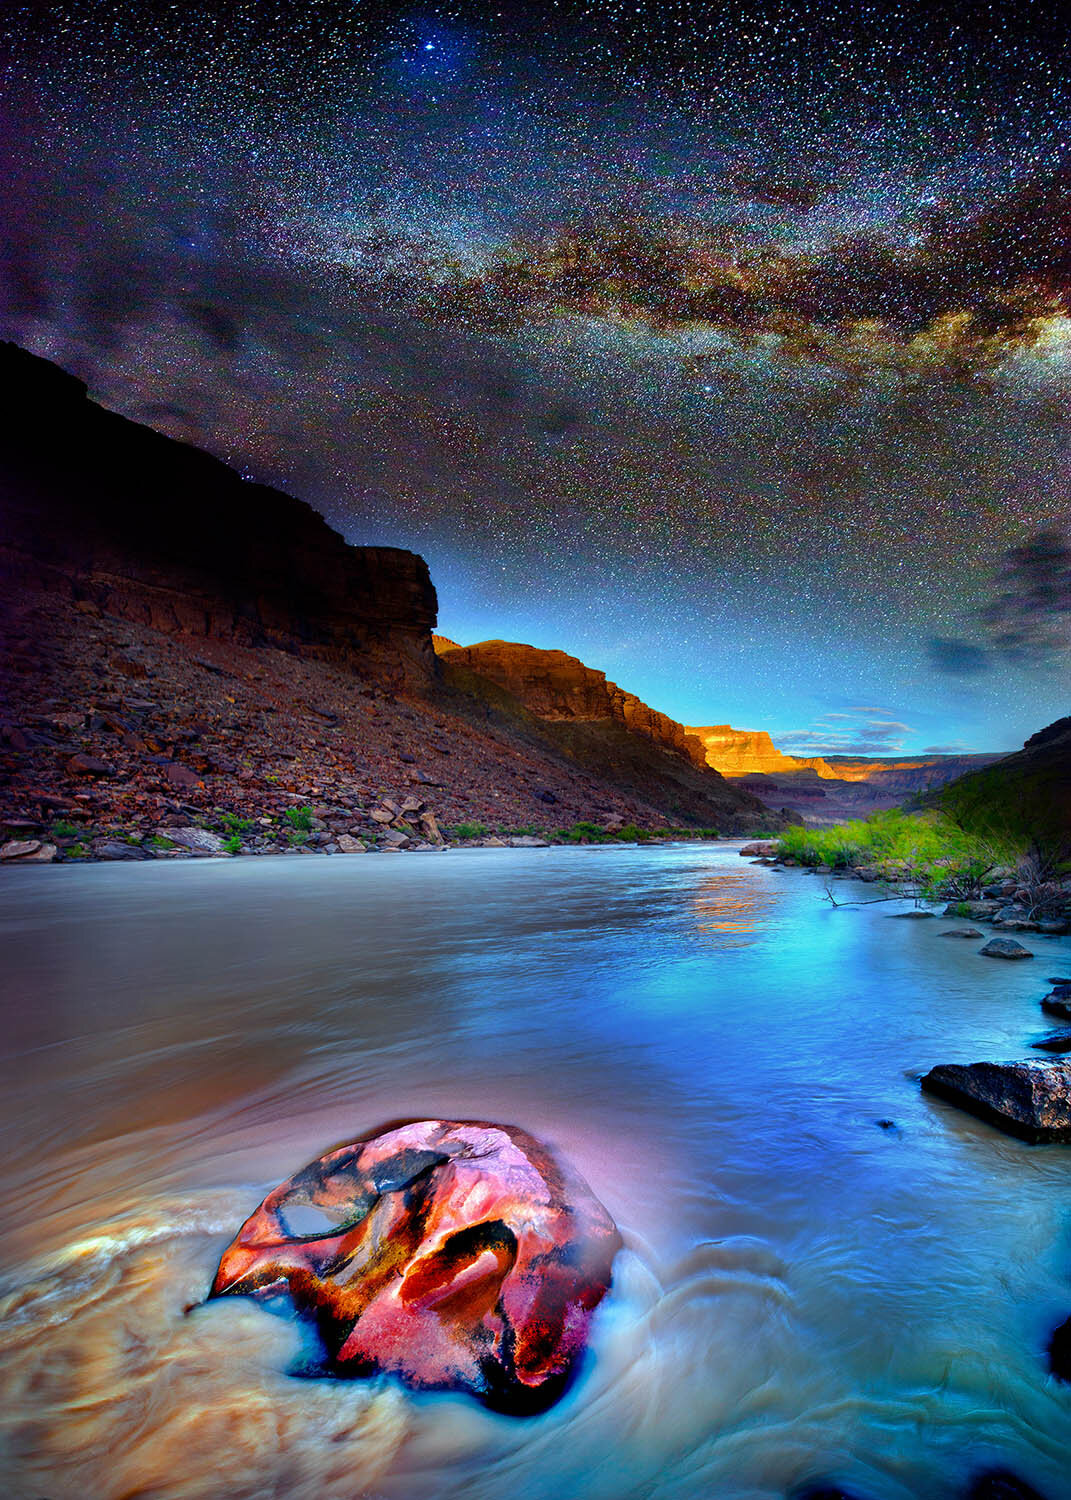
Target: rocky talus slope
point(600, 726)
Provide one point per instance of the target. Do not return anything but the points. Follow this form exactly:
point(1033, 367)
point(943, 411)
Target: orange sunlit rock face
point(457, 1256)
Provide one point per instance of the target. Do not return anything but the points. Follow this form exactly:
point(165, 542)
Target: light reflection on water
point(730, 906)
point(804, 1295)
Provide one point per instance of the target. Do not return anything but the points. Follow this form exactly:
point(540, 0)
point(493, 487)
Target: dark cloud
point(1029, 619)
point(957, 657)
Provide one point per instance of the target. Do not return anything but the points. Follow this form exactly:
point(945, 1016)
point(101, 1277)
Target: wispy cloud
point(853, 735)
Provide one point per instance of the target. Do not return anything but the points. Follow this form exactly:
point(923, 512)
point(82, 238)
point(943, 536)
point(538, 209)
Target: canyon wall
point(160, 533)
point(560, 688)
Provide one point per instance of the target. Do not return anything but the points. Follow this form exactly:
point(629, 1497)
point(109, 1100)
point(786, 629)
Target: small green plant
point(585, 833)
point(631, 834)
point(77, 851)
point(233, 844)
point(296, 837)
point(234, 823)
point(470, 831)
point(64, 830)
point(299, 818)
point(161, 841)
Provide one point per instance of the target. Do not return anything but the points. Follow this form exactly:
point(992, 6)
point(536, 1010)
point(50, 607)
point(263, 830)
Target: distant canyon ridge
point(826, 789)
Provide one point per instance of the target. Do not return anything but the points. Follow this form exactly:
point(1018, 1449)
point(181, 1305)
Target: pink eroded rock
point(455, 1255)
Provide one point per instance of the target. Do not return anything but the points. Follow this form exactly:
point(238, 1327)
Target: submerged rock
point(1053, 1041)
point(962, 932)
point(1001, 1484)
point(457, 1256)
point(1060, 1352)
point(1004, 948)
point(1030, 1099)
point(1058, 1001)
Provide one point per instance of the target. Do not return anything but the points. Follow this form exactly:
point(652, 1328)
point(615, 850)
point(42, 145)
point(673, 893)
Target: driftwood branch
point(870, 901)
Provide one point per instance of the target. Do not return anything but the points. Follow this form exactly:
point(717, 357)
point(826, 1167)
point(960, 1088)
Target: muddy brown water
point(806, 1295)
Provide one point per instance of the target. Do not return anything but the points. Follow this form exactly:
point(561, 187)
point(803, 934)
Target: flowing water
point(806, 1294)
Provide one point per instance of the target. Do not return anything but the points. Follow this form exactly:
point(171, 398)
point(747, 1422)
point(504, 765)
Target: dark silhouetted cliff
point(155, 531)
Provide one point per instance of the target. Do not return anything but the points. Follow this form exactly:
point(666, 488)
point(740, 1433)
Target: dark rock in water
point(457, 1256)
point(1030, 1099)
point(823, 1492)
point(961, 932)
point(1053, 1041)
point(1058, 1002)
point(1060, 1352)
point(1004, 948)
point(916, 913)
point(1001, 1484)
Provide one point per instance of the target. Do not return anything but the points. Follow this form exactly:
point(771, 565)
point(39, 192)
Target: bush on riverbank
point(925, 849)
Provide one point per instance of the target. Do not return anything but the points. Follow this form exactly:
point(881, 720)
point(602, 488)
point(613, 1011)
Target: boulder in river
point(1053, 1041)
point(1004, 948)
point(1058, 1002)
point(962, 932)
point(1030, 1099)
point(1001, 1484)
point(454, 1255)
point(1060, 1352)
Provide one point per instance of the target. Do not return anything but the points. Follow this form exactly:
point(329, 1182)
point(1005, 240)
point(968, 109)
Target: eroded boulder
point(455, 1255)
point(1030, 1099)
point(1004, 948)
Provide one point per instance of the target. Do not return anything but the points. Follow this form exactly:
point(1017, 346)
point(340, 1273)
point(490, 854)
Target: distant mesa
point(742, 752)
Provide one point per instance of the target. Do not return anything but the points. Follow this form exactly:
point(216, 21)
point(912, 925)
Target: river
point(806, 1294)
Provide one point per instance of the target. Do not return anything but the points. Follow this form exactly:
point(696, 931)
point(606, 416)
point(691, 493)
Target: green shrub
point(584, 833)
point(64, 830)
point(299, 818)
point(470, 831)
point(234, 823)
point(233, 844)
point(924, 849)
point(297, 836)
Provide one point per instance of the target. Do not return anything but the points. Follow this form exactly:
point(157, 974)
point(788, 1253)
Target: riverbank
point(116, 736)
point(1009, 885)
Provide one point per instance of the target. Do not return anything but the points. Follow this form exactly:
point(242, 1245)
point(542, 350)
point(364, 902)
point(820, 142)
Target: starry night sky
point(725, 346)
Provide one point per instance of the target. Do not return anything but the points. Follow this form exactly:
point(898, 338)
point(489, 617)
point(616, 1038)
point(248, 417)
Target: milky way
point(727, 347)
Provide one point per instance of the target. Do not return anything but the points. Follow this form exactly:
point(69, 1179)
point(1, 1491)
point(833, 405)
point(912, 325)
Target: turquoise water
point(806, 1294)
